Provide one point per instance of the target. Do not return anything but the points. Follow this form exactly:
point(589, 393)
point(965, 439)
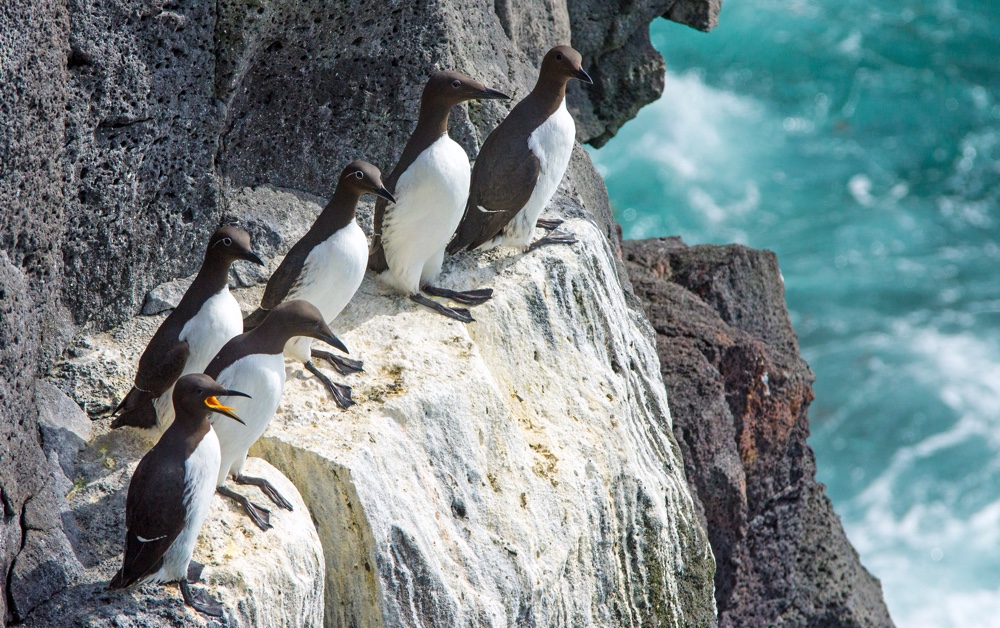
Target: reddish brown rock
point(739, 394)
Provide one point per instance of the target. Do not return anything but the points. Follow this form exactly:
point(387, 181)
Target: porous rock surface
point(739, 394)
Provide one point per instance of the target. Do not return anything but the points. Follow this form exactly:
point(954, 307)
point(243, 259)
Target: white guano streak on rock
point(542, 422)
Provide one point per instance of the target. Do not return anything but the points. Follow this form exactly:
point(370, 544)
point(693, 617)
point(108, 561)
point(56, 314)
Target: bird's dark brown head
point(360, 177)
point(299, 318)
point(562, 63)
point(195, 398)
point(449, 88)
point(229, 244)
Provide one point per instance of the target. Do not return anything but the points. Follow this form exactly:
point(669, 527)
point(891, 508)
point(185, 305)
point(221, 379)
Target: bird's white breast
point(552, 144)
point(332, 273)
point(262, 376)
point(430, 201)
point(200, 470)
point(216, 323)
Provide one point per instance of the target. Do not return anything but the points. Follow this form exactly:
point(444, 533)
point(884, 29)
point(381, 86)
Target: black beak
point(492, 94)
point(384, 193)
point(250, 256)
point(332, 340)
point(583, 76)
point(236, 393)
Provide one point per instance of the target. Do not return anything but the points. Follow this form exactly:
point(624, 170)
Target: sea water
point(861, 142)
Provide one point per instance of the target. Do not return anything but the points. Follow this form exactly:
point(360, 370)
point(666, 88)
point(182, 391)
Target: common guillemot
point(326, 268)
point(522, 162)
point(205, 319)
point(253, 362)
point(431, 185)
point(171, 491)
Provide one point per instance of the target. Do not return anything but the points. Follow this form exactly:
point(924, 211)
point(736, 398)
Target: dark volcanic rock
point(739, 393)
point(613, 37)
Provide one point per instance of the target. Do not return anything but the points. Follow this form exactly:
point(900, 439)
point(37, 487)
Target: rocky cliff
point(131, 129)
point(739, 394)
point(459, 489)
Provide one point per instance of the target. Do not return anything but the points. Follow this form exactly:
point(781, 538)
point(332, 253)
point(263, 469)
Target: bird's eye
point(559, 57)
point(456, 83)
point(227, 241)
point(201, 391)
point(359, 174)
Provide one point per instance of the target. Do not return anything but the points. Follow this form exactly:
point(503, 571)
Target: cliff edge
point(739, 394)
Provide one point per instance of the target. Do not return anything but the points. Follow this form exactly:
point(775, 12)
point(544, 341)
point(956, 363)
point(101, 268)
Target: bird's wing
point(159, 367)
point(503, 179)
point(286, 275)
point(154, 516)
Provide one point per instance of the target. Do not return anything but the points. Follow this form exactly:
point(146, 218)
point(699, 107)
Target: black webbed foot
point(267, 488)
point(344, 366)
point(556, 237)
point(458, 313)
point(549, 224)
point(200, 600)
point(468, 297)
point(341, 392)
point(258, 514)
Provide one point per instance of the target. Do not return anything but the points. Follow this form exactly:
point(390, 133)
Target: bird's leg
point(260, 515)
point(344, 366)
point(457, 313)
point(200, 600)
point(549, 224)
point(469, 297)
point(341, 392)
point(194, 571)
point(267, 488)
point(556, 237)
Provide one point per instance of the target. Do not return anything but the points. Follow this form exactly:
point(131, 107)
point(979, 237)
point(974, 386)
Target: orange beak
point(215, 405)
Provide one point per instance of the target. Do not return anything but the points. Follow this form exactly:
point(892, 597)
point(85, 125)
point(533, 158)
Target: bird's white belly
point(199, 477)
point(552, 144)
point(217, 322)
point(263, 377)
point(431, 196)
point(332, 273)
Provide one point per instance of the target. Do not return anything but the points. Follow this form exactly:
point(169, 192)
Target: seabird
point(171, 491)
point(522, 162)
point(325, 268)
point(431, 185)
point(205, 319)
point(253, 362)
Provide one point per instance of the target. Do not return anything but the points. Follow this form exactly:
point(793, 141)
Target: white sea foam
point(931, 536)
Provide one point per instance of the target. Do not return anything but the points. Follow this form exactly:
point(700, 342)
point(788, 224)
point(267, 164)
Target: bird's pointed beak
point(327, 336)
point(213, 404)
point(492, 94)
point(252, 257)
point(384, 193)
point(583, 76)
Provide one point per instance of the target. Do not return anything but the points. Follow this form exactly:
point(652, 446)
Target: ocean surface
point(861, 142)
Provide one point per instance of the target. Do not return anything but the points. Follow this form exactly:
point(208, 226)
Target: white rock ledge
point(516, 471)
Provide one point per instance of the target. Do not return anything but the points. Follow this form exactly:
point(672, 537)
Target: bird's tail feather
point(136, 410)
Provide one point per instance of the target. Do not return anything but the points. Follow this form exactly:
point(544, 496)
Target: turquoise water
point(861, 142)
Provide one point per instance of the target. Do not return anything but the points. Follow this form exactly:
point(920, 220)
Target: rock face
point(739, 392)
point(128, 130)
